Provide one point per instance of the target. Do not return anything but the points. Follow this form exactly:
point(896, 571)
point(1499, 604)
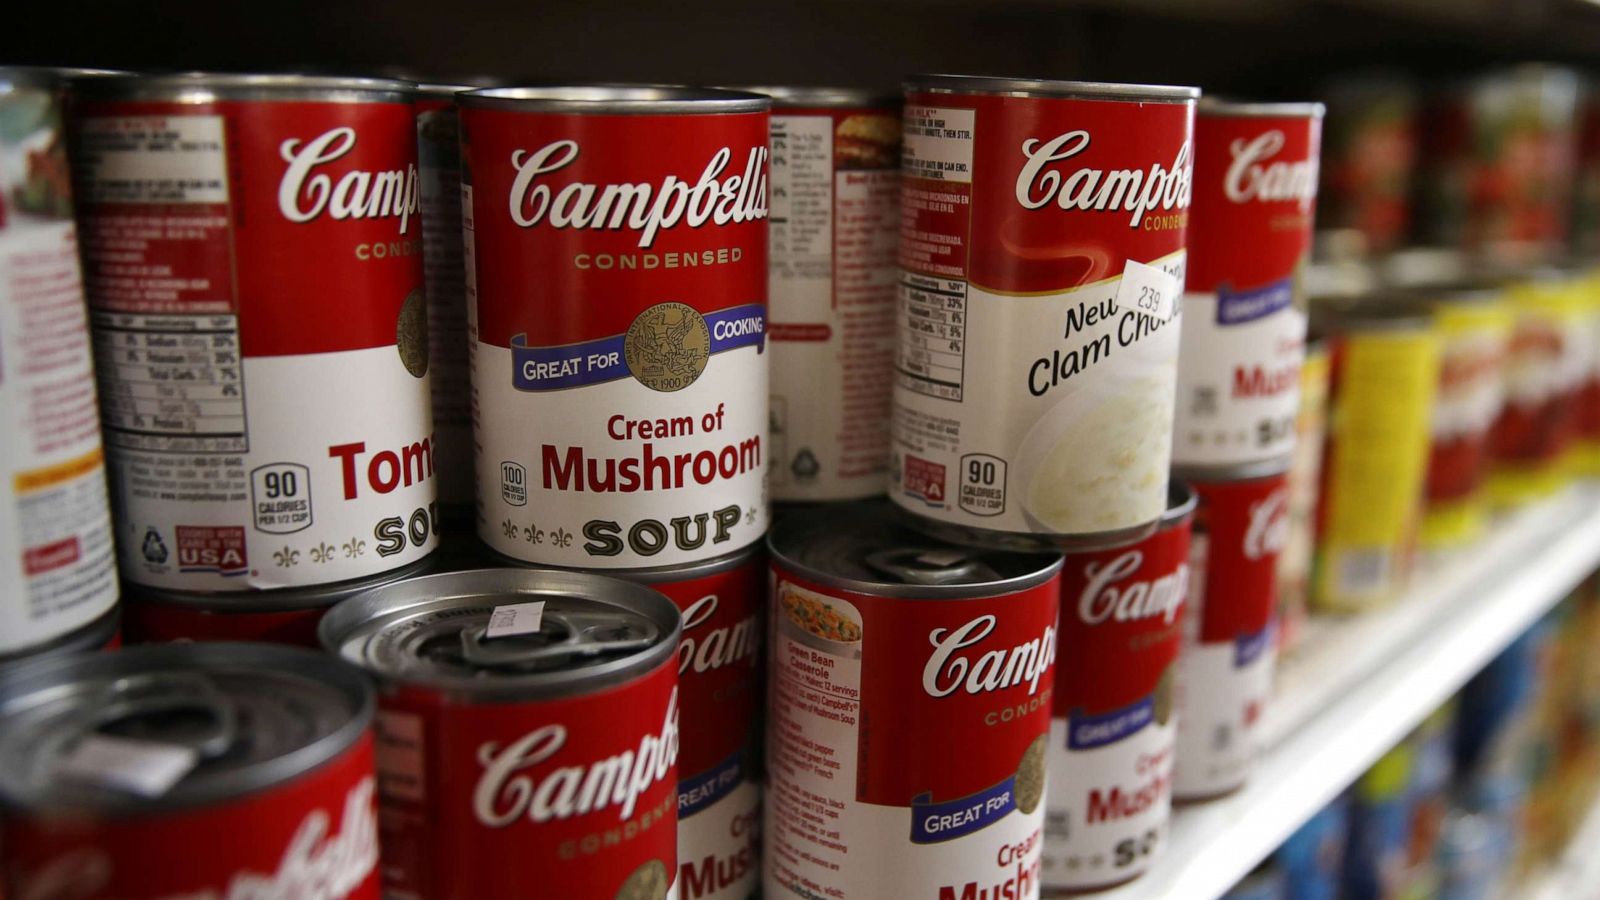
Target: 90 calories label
point(1042, 255)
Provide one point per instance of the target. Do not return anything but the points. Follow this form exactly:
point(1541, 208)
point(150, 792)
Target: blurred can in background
point(1305, 474)
point(1369, 159)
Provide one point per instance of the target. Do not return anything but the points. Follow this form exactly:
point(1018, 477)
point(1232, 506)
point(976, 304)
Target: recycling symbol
point(153, 548)
point(805, 465)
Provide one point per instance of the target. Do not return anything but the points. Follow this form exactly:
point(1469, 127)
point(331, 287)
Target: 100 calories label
point(1042, 255)
point(617, 265)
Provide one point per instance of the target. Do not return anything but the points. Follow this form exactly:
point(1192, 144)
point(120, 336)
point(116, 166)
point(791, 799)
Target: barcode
point(1364, 571)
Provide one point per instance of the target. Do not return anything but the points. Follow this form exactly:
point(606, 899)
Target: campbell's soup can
point(1474, 335)
point(1546, 366)
point(255, 284)
point(1369, 159)
point(218, 770)
point(617, 274)
point(289, 616)
point(1383, 378)
point(1244, 306)
point(909, 699)
point(56, 556)
point(528, 729)
point(449, 371)
point(1305, 476)
point(719, 794)
point(833, 237)
point(1587, 457)
point(1114, 723)
point(1229, 649)
point(1048, 219)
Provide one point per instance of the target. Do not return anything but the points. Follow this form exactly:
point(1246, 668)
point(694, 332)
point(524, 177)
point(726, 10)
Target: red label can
point(1111, 738)
point(498, 769)
point(277, 798)
point(719, 798)
point(617, 273)
point(1244, 308)
point(254, 274)
point(892, 655)
point(1047, 218)
point(1229, 651)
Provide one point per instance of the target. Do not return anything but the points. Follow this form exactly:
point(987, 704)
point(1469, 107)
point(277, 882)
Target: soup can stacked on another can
point(892, 655)
point(254, 265)
point(56, 556)
point(1048, 219)
point(1244, 338)
point(834, 228)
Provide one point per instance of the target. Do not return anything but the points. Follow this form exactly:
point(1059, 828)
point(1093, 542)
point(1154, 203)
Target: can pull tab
point(177, 709)
point(931, 565)
point(563, 637)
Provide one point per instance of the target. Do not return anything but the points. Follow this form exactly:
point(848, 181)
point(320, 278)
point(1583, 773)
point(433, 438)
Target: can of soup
point(1229, 650)
point(617, 269)
point(195, 771)
point(56, 557)
point(1111, 737)
point(1244, 319)
point(255, 284)
point(528, 723)
point(1305, 475)
point(892, 655)
point(1548, 361)
point(1048, 219)
point(834, 231)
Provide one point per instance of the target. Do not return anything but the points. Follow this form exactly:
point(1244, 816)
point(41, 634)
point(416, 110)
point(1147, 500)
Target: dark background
point(1261, 48)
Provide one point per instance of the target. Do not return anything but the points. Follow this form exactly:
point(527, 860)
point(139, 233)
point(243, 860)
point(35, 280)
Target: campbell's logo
point(315, 865)
point(1134, 191)
point(1108, 595)
point(640, 206)
point(949, 669)
point(504, 794)
point(1269, 525)
point(1252, 177)
point(704, 649)
point(307, 191)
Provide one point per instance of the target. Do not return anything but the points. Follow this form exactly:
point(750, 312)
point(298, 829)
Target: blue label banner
point(1085, 732)
point(932, 823)
point(700, 791)
point(603, 359)
point(1247, 306)
point(1249, 647)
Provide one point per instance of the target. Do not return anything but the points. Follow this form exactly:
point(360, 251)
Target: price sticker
point(514, 619)
point(1148, 289)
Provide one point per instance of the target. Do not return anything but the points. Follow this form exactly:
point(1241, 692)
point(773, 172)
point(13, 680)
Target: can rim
point(1182, 501)
point(203, 87)
point(1334, 316)
point(94, 635)
point(821, 96)
point(15, 77)
point(1032, 87)
point(816, 518)
point(1196, 475)
point(669, 574)
point(370, 612)
point(1247, 109)
point(56, 671)
point(290, 599)
point(616, 99)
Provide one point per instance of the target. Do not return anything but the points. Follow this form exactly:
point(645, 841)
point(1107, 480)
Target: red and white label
point(56, 556)
point(618, 269)
point(1244, 322)
point(870, 700)
point(314, 837)
point(1229, 651)
point(1021, 217)
point(834, 231)
point(255, 279)
point(719, 800)
point(574, 795)
point(1111, 738)
point(1546, 366)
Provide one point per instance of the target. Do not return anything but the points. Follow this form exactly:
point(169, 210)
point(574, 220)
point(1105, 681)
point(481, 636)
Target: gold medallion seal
point(648, 882)
point(667, 346)
point(411, 333)
point(1030, 776)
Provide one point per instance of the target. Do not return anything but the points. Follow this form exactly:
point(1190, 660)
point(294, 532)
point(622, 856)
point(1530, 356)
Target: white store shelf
point(1364, 683)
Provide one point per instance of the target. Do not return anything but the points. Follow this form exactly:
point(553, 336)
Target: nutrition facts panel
point(933, 339)
point(171, 383)
point(936, 218)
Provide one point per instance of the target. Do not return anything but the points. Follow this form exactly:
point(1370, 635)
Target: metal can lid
point(253, 715)
point(1221, 474)
point(1181, 504)
point(207, 87)
point(784, 95)
point(617, 99)
point(865, 548)
point(1225, 107)
point(594, 632)
point(15, 77)
point(311, 596)
point(94, 636)
point(1335, 316)
point(687, 571)
point(1029, 87)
